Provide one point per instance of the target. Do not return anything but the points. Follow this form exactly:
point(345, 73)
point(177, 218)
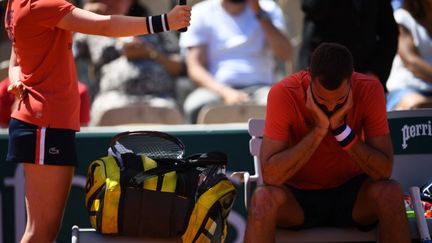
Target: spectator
point(5, 45)
point(130, 70)
point(7, 103)
point(230, 48)
point(326, 155)
point(42, 76)
point(410, 81)
point(366, 27)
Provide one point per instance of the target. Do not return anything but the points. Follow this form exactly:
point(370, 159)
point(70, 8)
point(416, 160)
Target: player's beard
point(327, 111)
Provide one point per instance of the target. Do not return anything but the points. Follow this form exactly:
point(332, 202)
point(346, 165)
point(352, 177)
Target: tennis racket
point(426, 192)
point(156, 145)
point(422, 226)
point(183, 2)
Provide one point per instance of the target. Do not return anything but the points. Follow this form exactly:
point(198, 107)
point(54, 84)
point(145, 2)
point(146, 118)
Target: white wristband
point(343, 135)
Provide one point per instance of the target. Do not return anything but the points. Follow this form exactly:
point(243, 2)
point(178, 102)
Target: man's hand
point(17, 88)
point(179, 17)
point(232, 96)
point(338, 118)
point(137, 49)
point(320, 118)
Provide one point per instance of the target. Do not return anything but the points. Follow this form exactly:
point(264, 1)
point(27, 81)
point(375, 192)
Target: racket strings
point(153, 146)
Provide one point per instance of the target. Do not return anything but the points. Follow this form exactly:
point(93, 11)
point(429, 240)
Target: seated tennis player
point(327, 155)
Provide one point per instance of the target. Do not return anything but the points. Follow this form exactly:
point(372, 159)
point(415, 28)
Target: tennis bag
point(145, 187)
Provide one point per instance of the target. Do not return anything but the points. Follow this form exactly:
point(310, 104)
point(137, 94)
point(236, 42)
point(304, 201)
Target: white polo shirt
point(238, 54)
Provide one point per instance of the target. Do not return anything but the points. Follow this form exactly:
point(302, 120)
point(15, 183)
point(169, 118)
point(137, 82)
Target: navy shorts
point(29, 143)
point(331, 207)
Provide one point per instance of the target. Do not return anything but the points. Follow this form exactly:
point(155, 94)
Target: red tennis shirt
point(44, 53)
point(289, 120)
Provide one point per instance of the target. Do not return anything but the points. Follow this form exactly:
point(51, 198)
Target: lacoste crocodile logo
point(54, 150)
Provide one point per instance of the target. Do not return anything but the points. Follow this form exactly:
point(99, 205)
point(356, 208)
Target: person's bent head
point(330, 69)
point(234, 7)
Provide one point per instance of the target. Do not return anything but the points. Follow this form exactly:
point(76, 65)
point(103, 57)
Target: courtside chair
point(238, 113)
point(411, 132)
point(412, 167)
point(139, 113)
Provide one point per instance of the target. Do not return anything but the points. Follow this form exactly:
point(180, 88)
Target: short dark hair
point(331, 63)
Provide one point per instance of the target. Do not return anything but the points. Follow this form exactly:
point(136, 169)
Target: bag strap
point(214, 157)
point(139, 178)
point(169, 165)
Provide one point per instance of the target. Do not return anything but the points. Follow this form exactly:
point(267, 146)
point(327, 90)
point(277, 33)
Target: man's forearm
point(372, 161)
point(278, 41)
point(203, 78)
point(420, 68)
point(283, 165)
point(172, 63)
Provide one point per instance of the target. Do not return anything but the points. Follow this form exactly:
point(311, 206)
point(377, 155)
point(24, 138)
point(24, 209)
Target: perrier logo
point(416, 130)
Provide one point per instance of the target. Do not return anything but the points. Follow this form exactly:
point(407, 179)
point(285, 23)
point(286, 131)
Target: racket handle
point(183, 2)
point(422, 226)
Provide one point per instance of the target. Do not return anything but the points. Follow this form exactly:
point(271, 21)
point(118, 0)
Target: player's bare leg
point(383, 201)
point(271, 206)
point(44, 207)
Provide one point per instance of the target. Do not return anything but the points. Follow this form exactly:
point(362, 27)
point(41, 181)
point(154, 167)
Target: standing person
point(366, 27)
point(410, 81)
point(326, 154)
point(42, 74)
point(231, 45)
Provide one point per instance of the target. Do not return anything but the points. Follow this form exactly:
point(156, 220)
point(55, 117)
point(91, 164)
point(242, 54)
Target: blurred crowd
point(234, 50)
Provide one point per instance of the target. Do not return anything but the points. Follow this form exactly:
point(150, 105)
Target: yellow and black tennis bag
point(142, 191)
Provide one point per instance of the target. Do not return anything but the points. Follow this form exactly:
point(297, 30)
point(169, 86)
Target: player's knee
point(266, 201)
point(386, 193)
